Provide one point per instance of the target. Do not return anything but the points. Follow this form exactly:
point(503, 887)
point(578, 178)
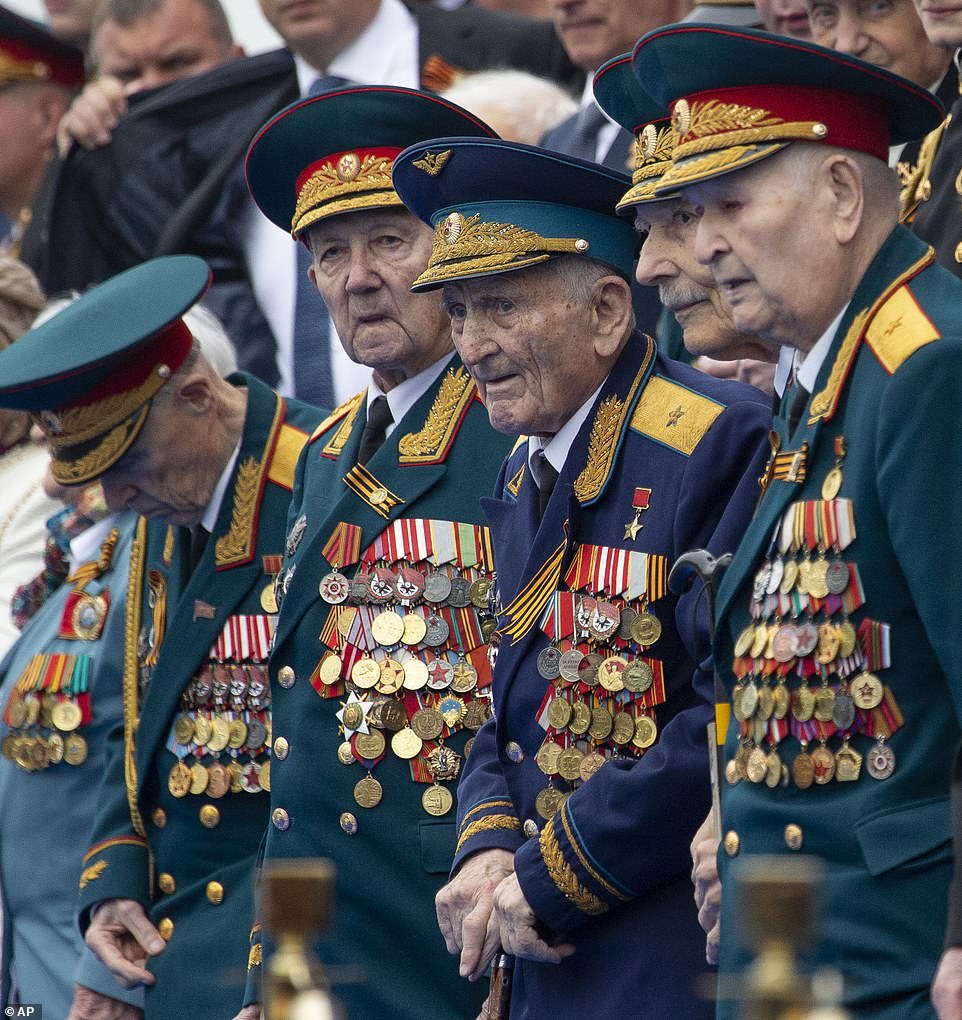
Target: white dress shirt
point(406, 394)
point(557, 447)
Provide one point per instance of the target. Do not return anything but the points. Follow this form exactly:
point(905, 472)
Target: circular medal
point(269, 599)
point(67, 715)
point(427, 723)
point(784, 643)
point(803, 770)
point(18, 714)
point(843, 711)
point(409, 584)
point(479, 592)
point(220, 734)
point(198, 778)
point(329, 670)
point(387, 628)
point(55, 748)
point(406, 743)
point(476, 715)
point(789, 577)
point(559, 713)
point(867, 691)
point(547, 802)
point(183, 729)
point(437, 587)
point(549, 662)
point(757, 766)
point(645, 732)
point(460, 594)
point(744, 641)
point(611, 673)
point(824, 704)
point(781, 701)
point(178, 782)
point(807, 638)
point(827, 644)
point(588, 670)
point(731, 773)
point(415, 674)
point(440, 675)
point(832, 483)
point(365, 673)
point(749, 700)
point(638, 676)
point(39, 758)
point(775, 576)
point(203, 730)
point(622, 728)
point(368, 792)
point(437, 800)
point(570, 664)
point(437, 631)
point(235, 771)
point(251, 778)
point(804, 576)
point(590, 764)
point(370, 745)
point(824, 762)
point(846, 639)
point(218, 780)
point(89, 614)
point(334, 588)
point(352, 718)
point(836, 577)
point(264, 776)
point(817, 586)
point(345, 753)
point(256, 735)
point(580, 718)
point(465, 677)
point(759, 641)
point(880, 761)
point(415, 629)
point(803, 704)
point(569, 764)
point(393, 716)
point(627, 618)
point(646, 629)
point(601, 723)
point(392, 677)
point(766, 703)
point(773, 770)
point(548, 756)
point(74, 749)
point(237, 734)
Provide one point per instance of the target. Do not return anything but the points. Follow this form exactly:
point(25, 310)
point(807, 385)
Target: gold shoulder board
point(898, 329)
point(674, 415)
point(290, 442)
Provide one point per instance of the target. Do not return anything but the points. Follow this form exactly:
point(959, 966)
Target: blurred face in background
point(785, 17)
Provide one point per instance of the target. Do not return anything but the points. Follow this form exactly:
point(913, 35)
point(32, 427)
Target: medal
point(256, 735)
point(479, 592)
point(406, 743)
point(548, 757)
point(766, 703)
point(881, 761)
point(55, 748)
point(88, 616)
point(832, 483)
point(476, 715)
point(803, 770)
point(590, 764)
point(334, 588)
point(601, 723)
point(638, 676)
point(773, 769)
point(203, 730)
point(437, 800)
point(569, 665)
point(465, 677)
point(757, 765)
point(775, 576)
point(250, 780)
point(264, 776)
point(368, 792)
point(370, 745)
point(67, 715)
point(784, 643)
point(744, 641)
point(345, 753)
point(836, 577)
point(460, 594)
point(392, 677)
point(824, 704)
point(451, 709)
point(445, 764)
point(269, 599)
point(198, 778)
point(218, 780)
point(237, 734)
point(628, 617)
point(437, 587)
point(611, 673)
point(848, 764)
point(392, 715)
point(867, 691)
point(415, 629)
point(547, 802)
point(220, 734)
point(74, 749)
point(588, 670)
point(731, 773)
point(559, 713)
point(846, 639)
point(580, 718)
point(178, 782)
point(646, 629)
point(440, 675)
point(387, 629)
point(409, 584)
point(622, 728)
point(569, 764)
point(759, 641)
point(639, 503)
point(603, 621)
point(803, 704)
point(415, 674)
point(789, 577)
point(843, 712)
point(427, 723)
point(365, 673)
point(645, 732)
point(329, 669)
point(828, 643)
point(437, 631)
point(824, 763)
point(183, 729)
point(806, 635)
point(295, 535)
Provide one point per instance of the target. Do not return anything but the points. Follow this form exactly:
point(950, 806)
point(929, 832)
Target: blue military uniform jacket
point(854, 594)
point(412, 509)
point(607, 867)
point(184, 803)
point(70, 653)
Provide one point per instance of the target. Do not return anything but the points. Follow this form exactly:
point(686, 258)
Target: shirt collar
point(807, 366)
point(557, 447)
point(213, 507)
point(369, 60)
point(85, 547)
point(406, 394)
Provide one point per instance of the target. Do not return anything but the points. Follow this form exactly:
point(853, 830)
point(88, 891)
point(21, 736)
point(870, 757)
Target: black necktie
point(798, 401)
point(372, 438)
point(198, 543)
point(584, 138)
point(546, 478)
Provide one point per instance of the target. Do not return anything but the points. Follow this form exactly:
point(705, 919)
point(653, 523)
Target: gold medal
point(476, 715)
point(646, 732)
point(759, 641)
point(437, 800)
point(867, 691)
point(218, 780)
point(559, 713)
point(638, 676)
point(415, 629)
point(345, 619)
point(183, 728)
point(824, 704)
point(329, 669)
point(87, 619)
point(601, 723)
point(427, 723)
point(789, 577)
point(645, 629)
point(773, 769)
point(406, 743)
point(415, 674)
point(832, 483)
point(264, 776)
point(388, 628)
point(590, 764)
point(74, 749)
point(178, 782)
point(269, 599)
point(66, 716)
point(392, 677)
point(220, 734)
point(824, 762)
point(237, 734)
point(757, 766)
point(766, 703)
point(198, 778)
point(203, 730)
point(580, 718)
point(370, 745)
point(744, 642)
point(846, 639)
point(611, 673)
point(731, 773)
point(781, 701)
point(804, 573)
point(547, 802)
point(569, 764)
point(365, 673)
point(803, 770)
point(622, 728)
point(236, 771)
point(55, 748)
point(368, 792)
point(848, 764)
point(465, 677)
point(39, 759)
point(828, 643)
point(345, 753)
point(817, 578)
point(18, 714)
point(548, 756)
point(803, 704)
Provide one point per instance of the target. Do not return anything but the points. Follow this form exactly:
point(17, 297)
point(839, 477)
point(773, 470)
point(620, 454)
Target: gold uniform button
point(166, 883)
point(159, 817)
point(794, 836)
point(209, 816)
point(215, 893)
point(286, 677)
point(958, 253)
point(280, 819)
point(281, 747)
point(732, 843)
point(349, 823)
point(166, 928)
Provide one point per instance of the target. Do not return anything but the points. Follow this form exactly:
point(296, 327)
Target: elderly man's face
point(593, 30)
point(785, 17)
point(526, 340)
point(768, 239)
point(175, 41)
point(942, 20)
point(685, 287)
point(170, 472)
point(364, 266)
point(888, 33)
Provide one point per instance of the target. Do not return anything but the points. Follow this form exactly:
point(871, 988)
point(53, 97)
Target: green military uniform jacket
point(846, 580)
point(340, 788)
point(183, 803)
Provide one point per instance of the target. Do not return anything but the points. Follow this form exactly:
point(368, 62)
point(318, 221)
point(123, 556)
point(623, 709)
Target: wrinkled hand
point(122, 938)
point(704, 874)
point(760, 374)
point(91, 1005)
point(516, 921)
point(947, 986)
point(465, 908)
point(93, 115)
point(251, 1012)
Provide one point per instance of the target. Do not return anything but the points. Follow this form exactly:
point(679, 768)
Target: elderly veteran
point(578, 803)
point(841, 659)
point(124, 395)
point(379, 673)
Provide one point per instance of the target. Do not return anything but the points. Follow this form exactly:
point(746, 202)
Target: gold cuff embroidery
point(563, 876)
point(490, 823)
